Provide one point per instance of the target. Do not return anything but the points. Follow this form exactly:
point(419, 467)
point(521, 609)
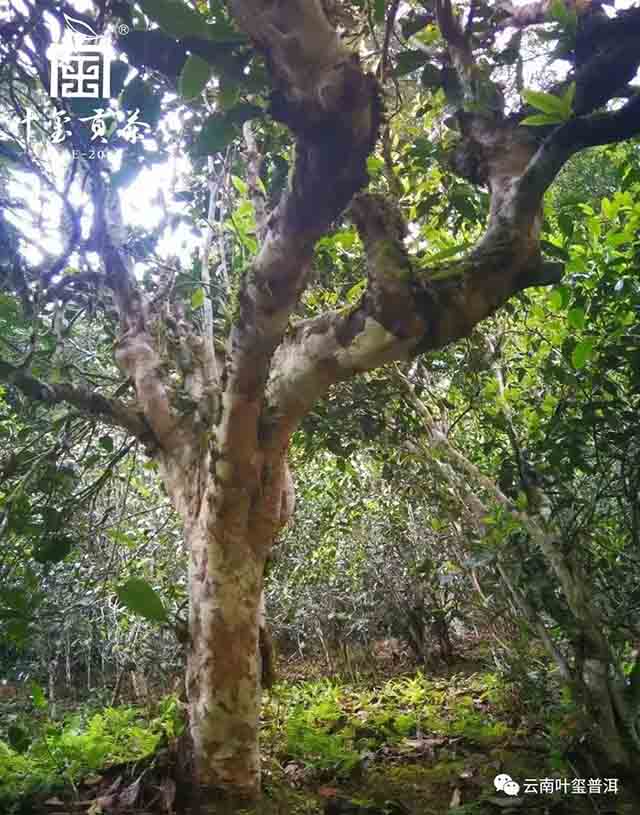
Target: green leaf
point(374, 165)
point(17, 631)
point(198, 298)
point(567, 100)
point(138, 94)
point(575, 317)
point(447, 253)
point(608, 208)
point(615, 239)
point(462, 200)
point(356, 292)
point(52, 548)
point(194, 77)
point(37, 694)
point(566, 223)
point(218, 132)
point(220, 129)
point(138, 596)
point(228, 93)
point(239, 184)
point(242, 112)
point(379, 11)
point(546, 102)
point(223, 31)
point(542, 120)
point(175, 17)
point(106, 442)
point(18, 738)
point(582, 353)
point(431, 76)
point(52, 518)
point(412, 23)
point(560, 13)
point(409, 61)
point(555, 300)
point(554, 250)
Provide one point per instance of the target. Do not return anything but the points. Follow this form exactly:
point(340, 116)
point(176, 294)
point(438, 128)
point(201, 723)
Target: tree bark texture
point(223, 679)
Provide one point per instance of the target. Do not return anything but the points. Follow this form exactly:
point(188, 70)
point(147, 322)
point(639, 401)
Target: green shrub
point(61, 753)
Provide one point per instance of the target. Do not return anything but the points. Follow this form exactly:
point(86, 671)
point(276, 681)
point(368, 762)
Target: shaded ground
point(405, 745)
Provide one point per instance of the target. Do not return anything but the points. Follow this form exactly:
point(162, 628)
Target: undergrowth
point(435, 730)
point(44, 756)
point(334, 727)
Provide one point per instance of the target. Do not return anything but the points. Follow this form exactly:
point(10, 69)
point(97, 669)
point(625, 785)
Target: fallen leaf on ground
point(129, 795)
point(327, 792)
point(168, 794)
point(456, 798)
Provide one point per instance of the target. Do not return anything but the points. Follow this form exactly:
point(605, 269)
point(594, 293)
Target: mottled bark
point(223, 687)
point(229, 532)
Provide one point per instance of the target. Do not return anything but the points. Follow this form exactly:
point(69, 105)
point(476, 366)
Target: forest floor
point(403, 744)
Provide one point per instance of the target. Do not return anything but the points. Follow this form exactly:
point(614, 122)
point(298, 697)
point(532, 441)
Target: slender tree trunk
point(53, 673)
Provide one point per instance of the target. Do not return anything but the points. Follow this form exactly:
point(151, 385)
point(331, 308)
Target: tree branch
point(458, 46)
point(110, 411)
point(577, 134)
point(136, 352)
point(333, 109)
point(405, 310)
point(535, 12)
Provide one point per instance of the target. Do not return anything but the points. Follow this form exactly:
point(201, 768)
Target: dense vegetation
point(457, 592)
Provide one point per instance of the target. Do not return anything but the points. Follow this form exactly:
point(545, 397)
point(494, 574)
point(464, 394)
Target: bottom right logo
point(504, 783)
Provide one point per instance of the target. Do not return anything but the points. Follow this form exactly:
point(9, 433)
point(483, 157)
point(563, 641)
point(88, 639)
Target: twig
point(384, 59)
point(254, 162)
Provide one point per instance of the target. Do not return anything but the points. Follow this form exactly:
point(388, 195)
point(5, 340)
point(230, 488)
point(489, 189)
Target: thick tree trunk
point(223, 666)
point(231, 518)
